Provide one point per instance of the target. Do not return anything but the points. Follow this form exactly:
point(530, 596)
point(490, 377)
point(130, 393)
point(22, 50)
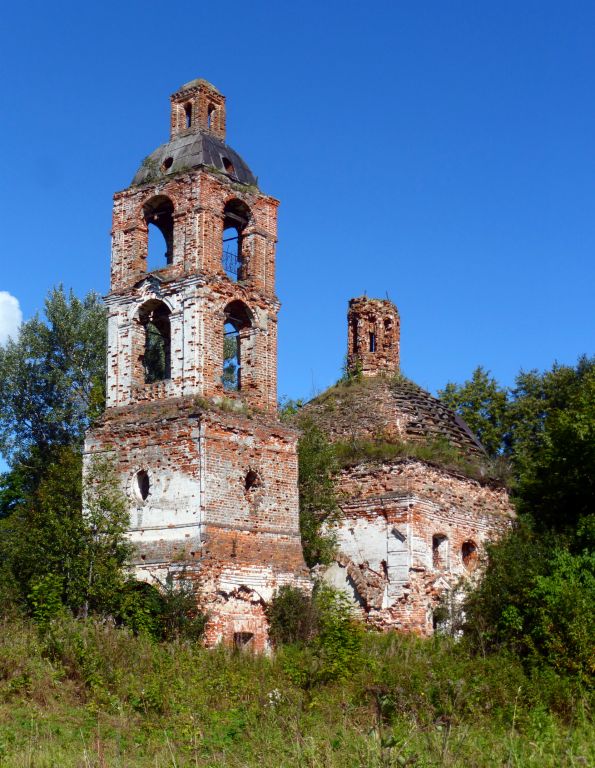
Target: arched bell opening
point(237, 327)
point(236, 216)
point(158, 215)
point(154, 317)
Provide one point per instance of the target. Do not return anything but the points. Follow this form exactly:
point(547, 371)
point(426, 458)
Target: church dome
point(390, 409)
point(194, 149)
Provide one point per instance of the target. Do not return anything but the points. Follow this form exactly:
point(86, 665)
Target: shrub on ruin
point(333, 650)
point(292, 615)
point(319, 509)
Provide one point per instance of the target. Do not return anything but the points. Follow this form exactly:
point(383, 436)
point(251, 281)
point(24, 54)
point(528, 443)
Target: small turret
point(373, 334)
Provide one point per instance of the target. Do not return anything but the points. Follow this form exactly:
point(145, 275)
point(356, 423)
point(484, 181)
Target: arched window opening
point(235, 328)
point(156, 357)
point(228, 165)
point(142, 485)
point(236, 218)
point(469, 555)
point(211, 116)
point(188, 115)
point(440, 551)
point(231, 358)
point(158, 213)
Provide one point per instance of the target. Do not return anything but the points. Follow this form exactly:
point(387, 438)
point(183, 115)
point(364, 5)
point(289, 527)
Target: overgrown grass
point(350, 404)
point(437, 452)
point(87, 694)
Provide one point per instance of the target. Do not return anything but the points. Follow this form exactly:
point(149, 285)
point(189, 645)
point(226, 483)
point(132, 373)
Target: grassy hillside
point(87, 694)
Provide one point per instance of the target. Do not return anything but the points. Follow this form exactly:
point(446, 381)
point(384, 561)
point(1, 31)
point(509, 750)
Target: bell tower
point(210, 473)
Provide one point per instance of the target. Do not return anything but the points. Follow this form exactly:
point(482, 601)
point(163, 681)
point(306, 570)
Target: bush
point(331, 643)
point(167, 613)
point(536, 599)
point(292, 616)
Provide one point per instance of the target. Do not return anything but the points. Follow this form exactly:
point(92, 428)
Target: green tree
point(537, 595)
point(76, 542)
point(482, 403)
point(52, 377)
point(319, 509)
point(553, 439)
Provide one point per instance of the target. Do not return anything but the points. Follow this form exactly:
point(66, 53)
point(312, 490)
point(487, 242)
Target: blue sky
point(440, 153)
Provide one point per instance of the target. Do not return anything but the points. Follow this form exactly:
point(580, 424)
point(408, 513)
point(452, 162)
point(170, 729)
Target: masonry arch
point(236, 217)
point(158, 216)
point(238, 327)
point(469, 555)
point(154, 342)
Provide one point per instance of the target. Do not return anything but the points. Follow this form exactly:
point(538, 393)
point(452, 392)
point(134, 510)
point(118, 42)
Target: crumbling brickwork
point(373, 336)
point(209, 472)
point(410, 530)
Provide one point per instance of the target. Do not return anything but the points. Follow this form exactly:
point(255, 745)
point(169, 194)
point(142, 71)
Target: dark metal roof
point(193, 150)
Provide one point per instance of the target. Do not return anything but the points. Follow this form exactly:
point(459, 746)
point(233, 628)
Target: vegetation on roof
point(347, 414)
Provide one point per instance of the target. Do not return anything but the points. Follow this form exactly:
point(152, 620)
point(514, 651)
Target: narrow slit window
point(372, 341)
point(188, 115)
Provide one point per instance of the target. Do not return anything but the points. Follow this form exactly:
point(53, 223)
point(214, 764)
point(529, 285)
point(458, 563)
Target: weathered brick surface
point(410, 530)
point(222, 504)
point(373, 336)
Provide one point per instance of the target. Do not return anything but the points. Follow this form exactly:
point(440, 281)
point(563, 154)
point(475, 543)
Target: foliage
point(56, 537)
point(292, 616)
point(330, 646)
point(52, 376)
point(438, 451)
point(556, 466)
point(537, 595)
point(166, 612)
point(319, 509)
point(87, 693)
point(482, 403)
point(537, 600)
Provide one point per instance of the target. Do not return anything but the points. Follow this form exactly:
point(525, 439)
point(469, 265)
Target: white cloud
point(10, 316)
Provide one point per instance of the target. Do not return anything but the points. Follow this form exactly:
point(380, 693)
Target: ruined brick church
point(209, 471)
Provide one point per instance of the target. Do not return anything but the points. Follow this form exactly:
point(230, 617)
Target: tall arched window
point(156, 353)
point(158, 214)
point(236, 330)
point(236, 217)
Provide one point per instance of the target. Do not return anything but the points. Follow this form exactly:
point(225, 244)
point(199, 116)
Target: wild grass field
point(82, 694)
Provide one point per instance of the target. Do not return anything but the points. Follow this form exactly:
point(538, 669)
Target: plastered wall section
point(393, 517)
point(240, 540)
